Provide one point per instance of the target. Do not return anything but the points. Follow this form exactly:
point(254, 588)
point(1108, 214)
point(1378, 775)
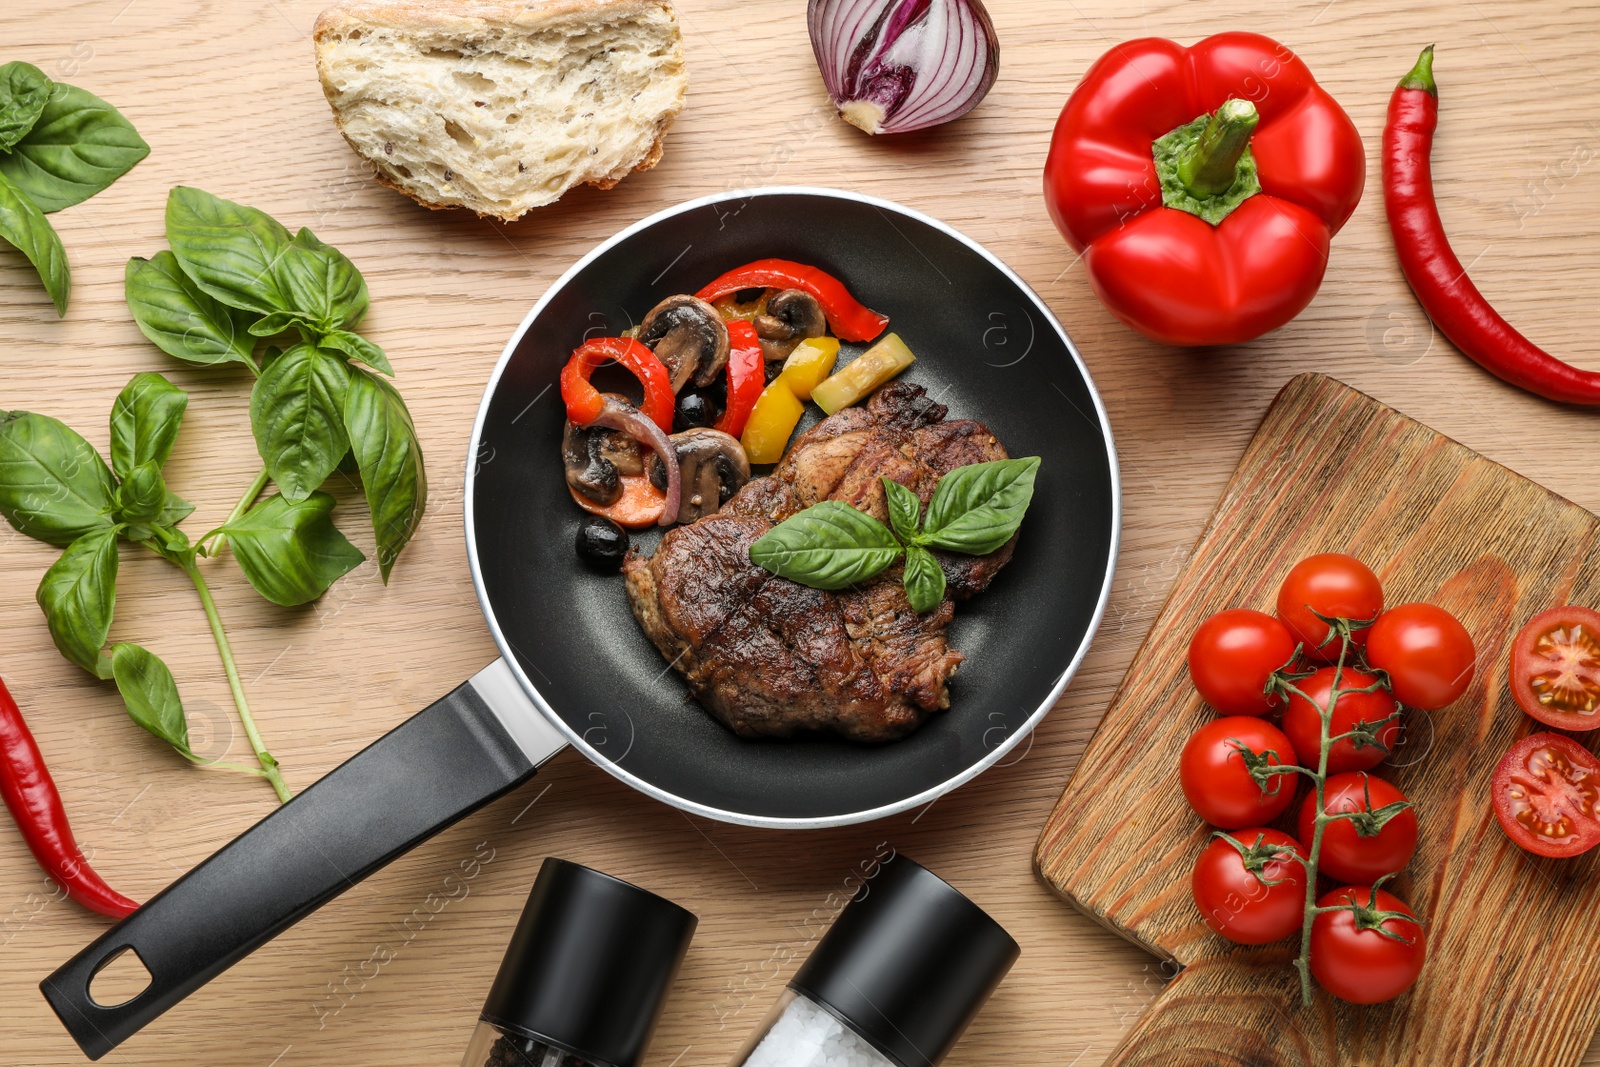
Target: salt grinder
point(585, 977)
point(894, 981)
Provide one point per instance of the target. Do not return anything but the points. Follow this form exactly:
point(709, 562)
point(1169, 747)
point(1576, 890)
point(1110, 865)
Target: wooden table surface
point(227, 96)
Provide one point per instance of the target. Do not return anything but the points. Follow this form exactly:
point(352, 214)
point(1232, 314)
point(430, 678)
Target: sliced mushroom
point(712, 465)
point(689, 337)
point(790, 316)
point(595, 459)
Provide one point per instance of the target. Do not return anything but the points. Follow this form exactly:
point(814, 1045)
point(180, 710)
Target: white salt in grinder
point(585, 977)
point(894, 981)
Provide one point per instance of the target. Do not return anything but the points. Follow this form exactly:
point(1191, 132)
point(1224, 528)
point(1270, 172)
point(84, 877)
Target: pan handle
point(444, 762)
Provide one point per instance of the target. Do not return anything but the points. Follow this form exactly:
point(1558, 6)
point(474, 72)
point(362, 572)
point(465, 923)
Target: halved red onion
point(628, 419)
point(897, 65)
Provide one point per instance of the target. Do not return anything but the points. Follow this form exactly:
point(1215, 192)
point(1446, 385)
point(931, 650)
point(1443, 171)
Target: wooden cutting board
point(1513, 972)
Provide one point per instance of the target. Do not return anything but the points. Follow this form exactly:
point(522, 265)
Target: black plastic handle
point(436, 767)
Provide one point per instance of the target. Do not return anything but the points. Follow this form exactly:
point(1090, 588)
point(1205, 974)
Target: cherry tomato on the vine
point(1545, 793)
point(1252, 896)
point(1302, 721)
point(1227, 772)
point(1555, 668)
point(1371, 949)
point(1426, 652)
point(1232, 656)
point(1334, 586)
point(1380, 839)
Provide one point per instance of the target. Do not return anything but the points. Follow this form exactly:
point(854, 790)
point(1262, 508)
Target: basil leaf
point(142, 494)
point(924, 579)
point(297, 413)
point(320, 282)
point(357, 347)
point(291, 553)
point(384, 442)
point(79, 146)
point(150, 695)
point(228, 249)
point(180, 319)
point(978, 507)
point(24, 90)
point(174, 509)
point(905, 509)
point(827, 546)
point(78, 595)
point(24, 226)
point(53, 485)
point(144, 422)
point(277, 322)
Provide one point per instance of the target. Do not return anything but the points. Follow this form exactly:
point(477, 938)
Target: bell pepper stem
point(1212, 166)
point(1421, 75)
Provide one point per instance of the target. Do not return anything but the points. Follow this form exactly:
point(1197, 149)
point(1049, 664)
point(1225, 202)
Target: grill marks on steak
point(770, 657)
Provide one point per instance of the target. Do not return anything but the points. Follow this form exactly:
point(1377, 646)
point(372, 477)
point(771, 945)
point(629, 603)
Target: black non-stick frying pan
point(577, 670)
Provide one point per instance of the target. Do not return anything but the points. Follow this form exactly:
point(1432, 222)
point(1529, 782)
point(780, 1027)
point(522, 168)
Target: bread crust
point(466, 18)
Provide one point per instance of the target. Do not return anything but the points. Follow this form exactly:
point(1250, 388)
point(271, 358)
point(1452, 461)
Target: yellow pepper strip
point(810, 362)
point(772, 420)
point(862, 375)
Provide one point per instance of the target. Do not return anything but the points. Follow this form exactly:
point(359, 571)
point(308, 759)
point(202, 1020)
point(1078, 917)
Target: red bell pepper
point(583, 400)
point(747, 376)
point(848, 318)
point(1201, 224)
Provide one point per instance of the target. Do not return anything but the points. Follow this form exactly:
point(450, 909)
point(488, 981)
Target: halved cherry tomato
point(1426, 652)
point(1227, 776)
point(1234, 654)
point(1371, 949)
point(1335, 586)
point(1365, 713)
point(1545, 793)
point(1255, 895)
point(1555, 668)
point(847, 317)
point(1379, 840)
point(583, 400)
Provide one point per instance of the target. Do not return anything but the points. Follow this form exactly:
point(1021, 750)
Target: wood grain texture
point(1510, 964)
point(226, 93)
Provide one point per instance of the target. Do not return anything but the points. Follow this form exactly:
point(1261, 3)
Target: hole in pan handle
point(443, 763)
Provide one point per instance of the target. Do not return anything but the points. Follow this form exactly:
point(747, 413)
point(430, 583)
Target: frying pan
point(575, 669)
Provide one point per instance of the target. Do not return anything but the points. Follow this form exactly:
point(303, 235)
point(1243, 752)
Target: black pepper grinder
point(584, 979)
point(893, 983)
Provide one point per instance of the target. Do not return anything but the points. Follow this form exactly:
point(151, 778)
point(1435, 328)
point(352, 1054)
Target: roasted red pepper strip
point(848, 318)
point(746, 376)
point(1429, 264)
point(583, 400)
point(1173, 275)
point(35, 804)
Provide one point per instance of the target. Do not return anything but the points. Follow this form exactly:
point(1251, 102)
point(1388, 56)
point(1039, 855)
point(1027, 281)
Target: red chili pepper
point(747, 376)
point(1247, 262)
point(584, 401)
point(1429, 264)
point(848, 318)
point(35, 804)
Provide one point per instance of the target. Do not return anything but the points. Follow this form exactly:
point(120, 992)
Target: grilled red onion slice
point(898, 65)
point(630, 420)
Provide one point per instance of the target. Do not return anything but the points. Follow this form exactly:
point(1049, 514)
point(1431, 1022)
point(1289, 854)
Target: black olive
point(694, 412)
point(601, 544)
point(749, 296)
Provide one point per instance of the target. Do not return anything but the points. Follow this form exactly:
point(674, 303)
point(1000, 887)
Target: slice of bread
point(502, 106)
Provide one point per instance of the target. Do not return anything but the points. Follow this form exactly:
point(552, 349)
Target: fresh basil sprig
point(974, 510)
point(59, 145)
point(236, 276)
point(54, 486)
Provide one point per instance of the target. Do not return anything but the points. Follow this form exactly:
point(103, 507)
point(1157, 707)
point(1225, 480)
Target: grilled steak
point(770, 657)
